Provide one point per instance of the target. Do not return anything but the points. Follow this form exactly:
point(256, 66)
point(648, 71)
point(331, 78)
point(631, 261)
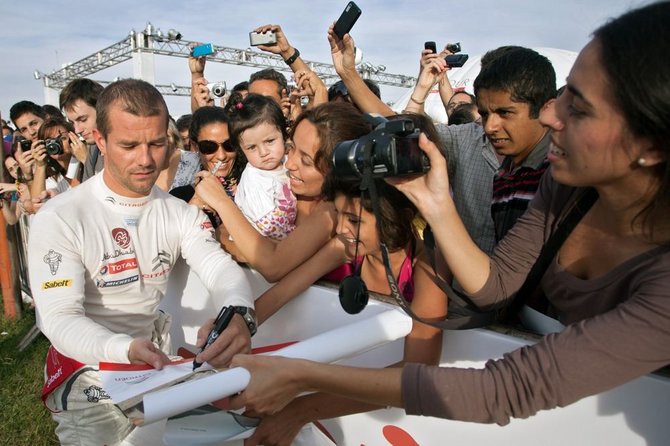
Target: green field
point(24, 420)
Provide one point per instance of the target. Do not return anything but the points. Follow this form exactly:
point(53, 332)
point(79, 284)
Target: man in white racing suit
point(100, 257)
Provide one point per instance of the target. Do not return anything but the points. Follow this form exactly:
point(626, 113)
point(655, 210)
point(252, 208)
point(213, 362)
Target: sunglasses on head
point(207, 147)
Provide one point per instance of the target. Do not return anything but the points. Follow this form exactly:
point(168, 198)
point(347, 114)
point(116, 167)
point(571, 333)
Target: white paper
point(340, 343)
point(191, 394)
point(124, 386)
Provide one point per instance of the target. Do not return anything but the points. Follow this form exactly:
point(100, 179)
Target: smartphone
point(347, 20)
point(267, 38)
point(456, 60)
point(430, 46)
point(202, 50)
point(26, 144)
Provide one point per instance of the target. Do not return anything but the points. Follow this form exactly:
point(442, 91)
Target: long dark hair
point(334, 122)
point(634, 49)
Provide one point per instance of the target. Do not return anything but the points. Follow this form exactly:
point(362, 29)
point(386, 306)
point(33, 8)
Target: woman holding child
point(310, 146)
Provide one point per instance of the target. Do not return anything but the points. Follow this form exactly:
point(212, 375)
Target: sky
point(38, 35)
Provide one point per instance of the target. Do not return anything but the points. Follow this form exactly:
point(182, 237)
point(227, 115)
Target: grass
point(24, 420)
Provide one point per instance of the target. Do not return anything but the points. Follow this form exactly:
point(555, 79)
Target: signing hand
point(235, 339)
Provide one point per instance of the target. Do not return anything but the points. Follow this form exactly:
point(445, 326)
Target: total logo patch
point(62, 283)
point(120, 266)
point(121, 237)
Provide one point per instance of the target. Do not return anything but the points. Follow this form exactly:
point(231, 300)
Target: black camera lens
point(54, 146)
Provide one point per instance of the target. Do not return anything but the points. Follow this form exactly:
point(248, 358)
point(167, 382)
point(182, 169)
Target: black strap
point(551, 247)
point(479, 318)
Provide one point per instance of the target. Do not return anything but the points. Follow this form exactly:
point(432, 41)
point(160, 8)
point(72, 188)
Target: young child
point(258, 127)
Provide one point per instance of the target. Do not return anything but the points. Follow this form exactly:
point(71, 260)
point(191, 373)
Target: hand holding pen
point(222, 320)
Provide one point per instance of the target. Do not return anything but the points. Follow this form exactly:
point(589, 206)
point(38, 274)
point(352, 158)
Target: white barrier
point(633, 414)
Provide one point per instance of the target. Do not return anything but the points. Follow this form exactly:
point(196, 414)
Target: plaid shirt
point(472, 165)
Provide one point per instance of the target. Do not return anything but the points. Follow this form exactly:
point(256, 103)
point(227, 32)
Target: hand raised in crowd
point(310, 84)
point(235, 339)
point(282, 47)
point(25, 160)
point(78, 147)
point(343, 51)
point(200, 92)
point(285, 104)
point(39, 154)
point(433, 68)
point(196, 64)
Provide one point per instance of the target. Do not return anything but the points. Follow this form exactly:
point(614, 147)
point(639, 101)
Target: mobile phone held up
point(347, 20)
point(267, 38)
point(456, 60)
point(202, 50)
point(430, 46)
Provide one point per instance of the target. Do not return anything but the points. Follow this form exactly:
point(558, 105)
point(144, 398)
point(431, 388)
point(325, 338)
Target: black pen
point(222, 320)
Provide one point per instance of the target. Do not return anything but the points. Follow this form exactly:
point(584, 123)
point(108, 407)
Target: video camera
point(393, 147)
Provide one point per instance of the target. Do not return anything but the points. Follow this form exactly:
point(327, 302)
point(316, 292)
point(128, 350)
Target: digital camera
point(393, 148)
point(54, 146)
point(454, 47)
point(217, 89)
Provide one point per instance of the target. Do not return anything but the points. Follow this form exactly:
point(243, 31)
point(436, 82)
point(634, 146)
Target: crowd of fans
point(259, 165)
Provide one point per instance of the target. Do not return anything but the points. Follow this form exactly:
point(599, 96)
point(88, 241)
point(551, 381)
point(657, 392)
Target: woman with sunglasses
point(310, 147)
point(210, 138)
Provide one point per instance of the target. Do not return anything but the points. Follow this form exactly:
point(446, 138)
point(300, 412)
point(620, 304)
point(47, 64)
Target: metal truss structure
point(151, 41)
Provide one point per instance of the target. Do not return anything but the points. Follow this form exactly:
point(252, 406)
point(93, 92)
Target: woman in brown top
point(609, 282)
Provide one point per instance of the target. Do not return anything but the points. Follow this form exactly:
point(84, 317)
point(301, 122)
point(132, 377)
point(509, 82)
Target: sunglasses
point(207, 147)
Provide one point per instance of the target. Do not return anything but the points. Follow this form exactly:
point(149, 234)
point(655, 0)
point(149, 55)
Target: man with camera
point(100, 257)
point(77, 100)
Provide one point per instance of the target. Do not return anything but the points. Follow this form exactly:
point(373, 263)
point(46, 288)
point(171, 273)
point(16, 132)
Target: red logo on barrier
point(121, 237)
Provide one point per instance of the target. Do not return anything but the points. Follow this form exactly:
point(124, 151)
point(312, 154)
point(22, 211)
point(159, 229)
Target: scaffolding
point(142, 46)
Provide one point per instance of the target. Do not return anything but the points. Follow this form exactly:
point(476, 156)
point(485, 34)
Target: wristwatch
point(249, 316)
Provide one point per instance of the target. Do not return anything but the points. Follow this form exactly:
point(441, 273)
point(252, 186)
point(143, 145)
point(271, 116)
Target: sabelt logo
point(122, 265)
point(57, 284)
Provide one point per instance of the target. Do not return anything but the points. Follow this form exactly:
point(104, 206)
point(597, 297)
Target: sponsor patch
point(121, 237)
point(104, 284)
point(62, 283)
point(53, 259)
point(121, 266)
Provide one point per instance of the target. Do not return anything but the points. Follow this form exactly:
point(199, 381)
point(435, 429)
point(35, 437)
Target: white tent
point(464, 77)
